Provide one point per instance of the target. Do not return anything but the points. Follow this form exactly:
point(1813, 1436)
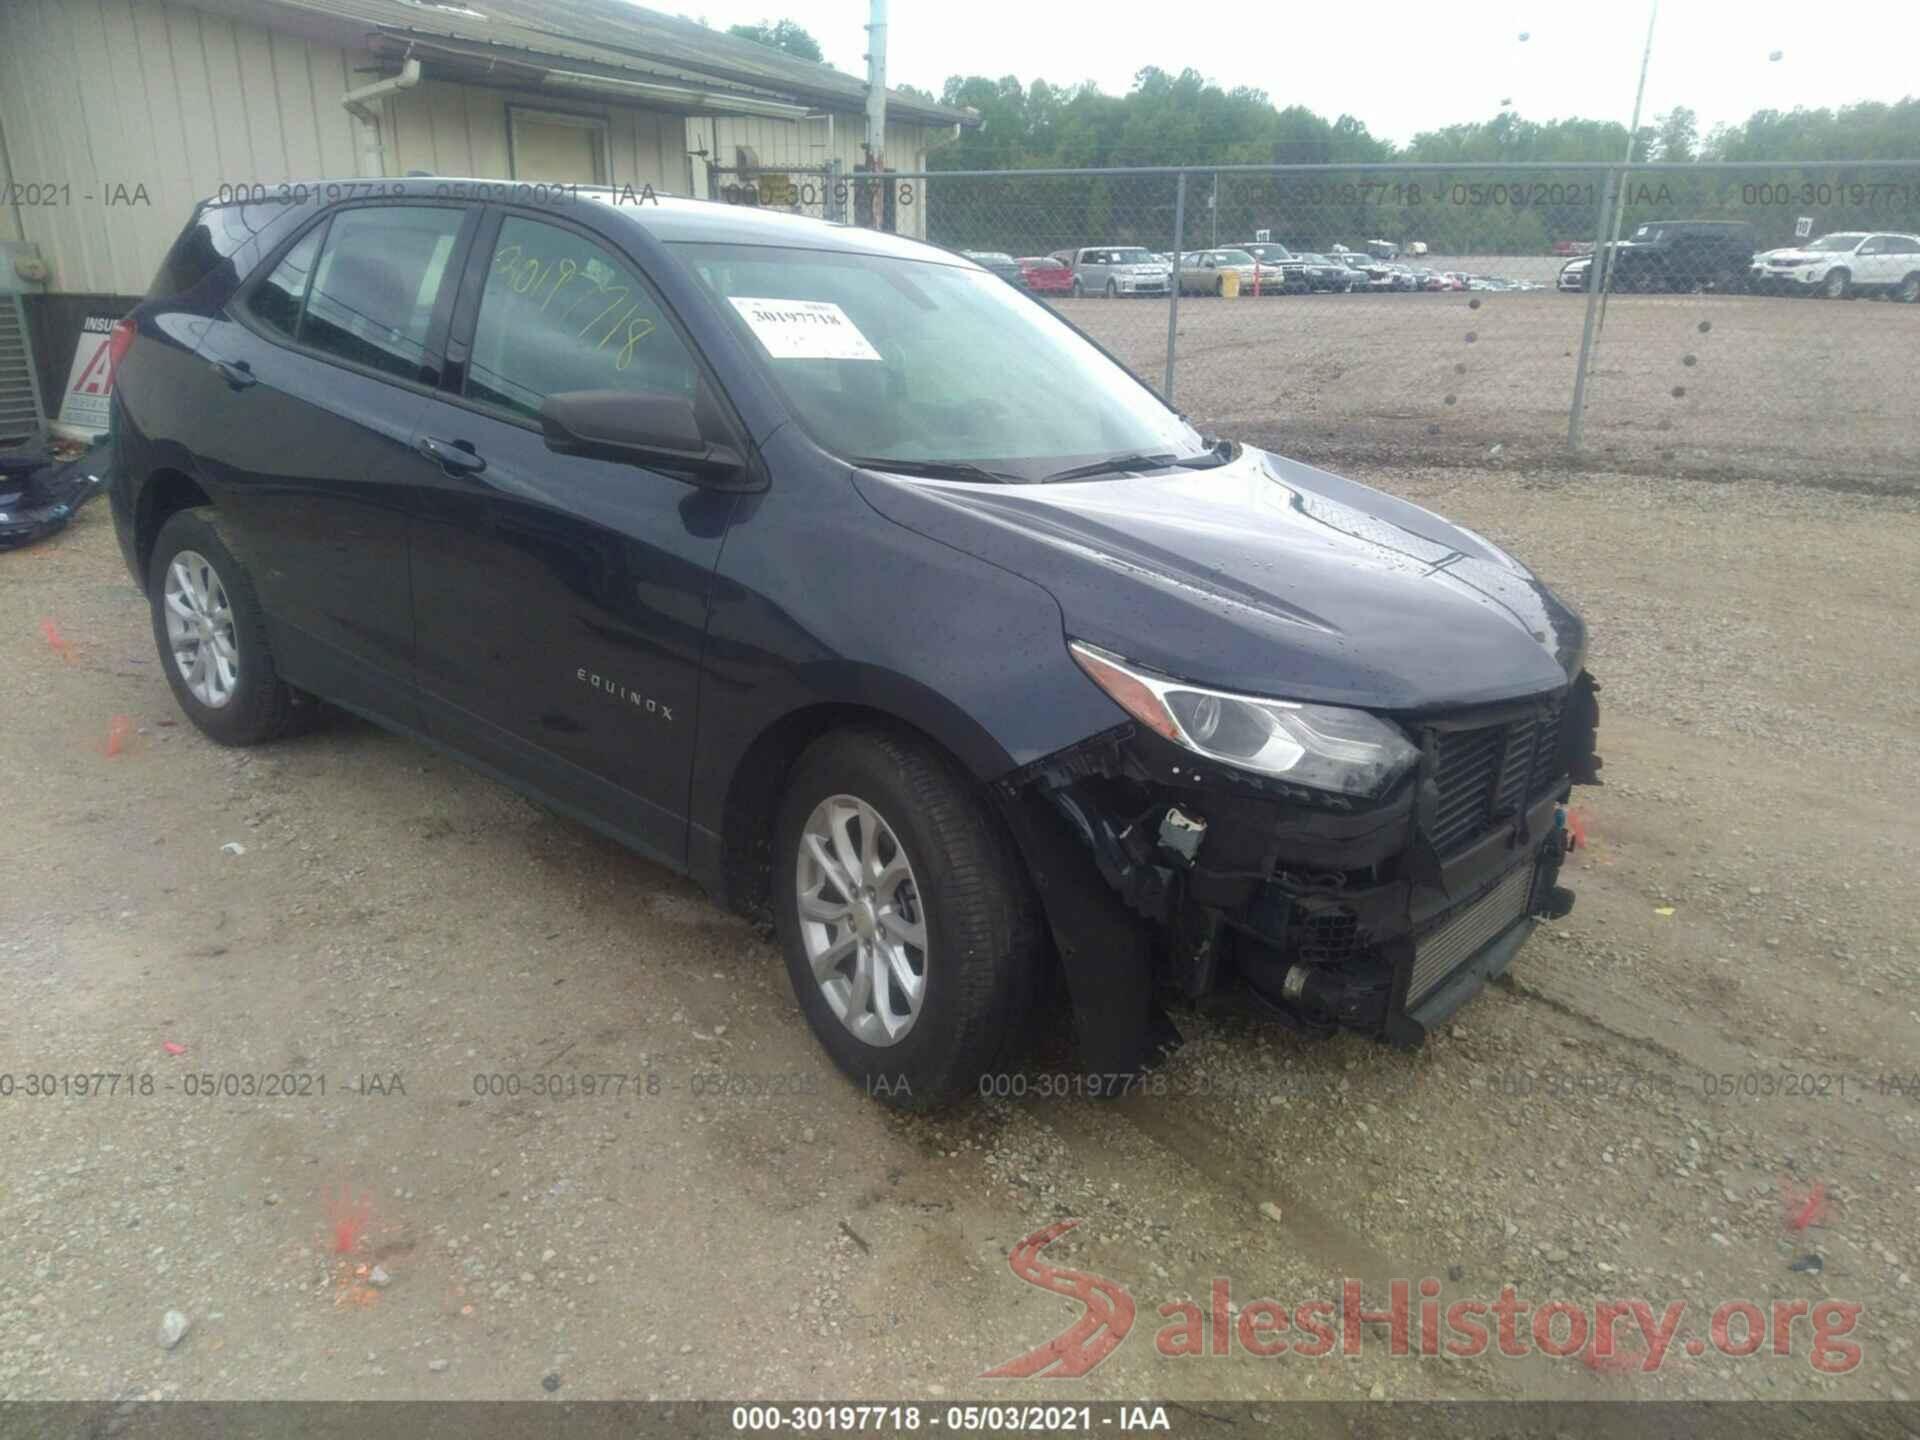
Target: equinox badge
point(613, 690)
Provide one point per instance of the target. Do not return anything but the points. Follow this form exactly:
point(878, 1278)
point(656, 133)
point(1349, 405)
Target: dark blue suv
point(825, 567)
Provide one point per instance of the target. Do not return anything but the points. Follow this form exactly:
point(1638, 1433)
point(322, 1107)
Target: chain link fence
point(1726, 318)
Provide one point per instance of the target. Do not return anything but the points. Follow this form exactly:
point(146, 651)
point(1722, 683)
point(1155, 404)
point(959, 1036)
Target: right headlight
point(1327, 747)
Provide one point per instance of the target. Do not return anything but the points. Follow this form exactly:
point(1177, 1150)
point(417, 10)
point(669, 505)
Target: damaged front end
point(1164, 871)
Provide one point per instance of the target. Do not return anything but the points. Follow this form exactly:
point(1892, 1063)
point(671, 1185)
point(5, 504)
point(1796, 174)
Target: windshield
point(1270, 252)
point(1133, 257)
point(886, 358)
point(1836, 242)
point(989, 257)
point(1234, 257)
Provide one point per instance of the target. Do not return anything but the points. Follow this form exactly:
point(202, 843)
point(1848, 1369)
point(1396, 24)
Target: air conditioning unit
point(22, 273)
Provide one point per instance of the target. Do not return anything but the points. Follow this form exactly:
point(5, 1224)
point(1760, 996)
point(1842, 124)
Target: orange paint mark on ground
point(1803, 1207)
point(347, 1217)
point(57, 640)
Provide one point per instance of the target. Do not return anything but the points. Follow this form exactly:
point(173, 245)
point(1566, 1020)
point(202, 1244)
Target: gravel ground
point(1723, 385)
point(350, 906)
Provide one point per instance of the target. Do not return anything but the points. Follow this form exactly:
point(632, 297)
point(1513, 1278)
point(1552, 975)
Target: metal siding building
point(116, 116)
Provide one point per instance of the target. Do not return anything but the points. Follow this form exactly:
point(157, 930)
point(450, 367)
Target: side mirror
point(638, 428)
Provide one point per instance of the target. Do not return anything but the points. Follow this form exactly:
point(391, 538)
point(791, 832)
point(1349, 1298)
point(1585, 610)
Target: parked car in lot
point(1402, 277)
point(1853, 262)
point(996, 262)
point(821, 565)
point(1377, 274)
point(1574, 274)
point(1282, 271)
point(1044, 275)
point(1682, 256)
point(1330, 275)
point(1204, 272)
point(1116, 270)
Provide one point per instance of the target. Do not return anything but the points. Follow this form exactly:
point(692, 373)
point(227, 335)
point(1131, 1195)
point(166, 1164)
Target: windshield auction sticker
point(804, 329)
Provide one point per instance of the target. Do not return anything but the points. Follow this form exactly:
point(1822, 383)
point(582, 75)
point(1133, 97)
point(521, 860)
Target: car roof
point(671, 218)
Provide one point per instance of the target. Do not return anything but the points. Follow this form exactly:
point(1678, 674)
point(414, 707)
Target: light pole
point(1600, 272)
point(1626, 163)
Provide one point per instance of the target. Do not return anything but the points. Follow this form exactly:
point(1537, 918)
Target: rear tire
point(217, 643)
point(915, 1039)
point(1907, 292)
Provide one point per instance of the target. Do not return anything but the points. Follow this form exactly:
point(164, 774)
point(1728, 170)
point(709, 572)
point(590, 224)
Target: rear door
point(560, 601)
point(324, 363)
point(1874, 261)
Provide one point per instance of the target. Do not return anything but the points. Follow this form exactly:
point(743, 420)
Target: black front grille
point(1487, 775)
point(1325, 935)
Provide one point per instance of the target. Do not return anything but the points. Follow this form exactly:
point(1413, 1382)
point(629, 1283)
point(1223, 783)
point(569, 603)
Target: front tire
point(1113, 291)
point(212, 634)
point(910, 936)
point(1835, 285)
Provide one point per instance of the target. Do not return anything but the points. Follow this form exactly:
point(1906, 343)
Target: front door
point(560, 603)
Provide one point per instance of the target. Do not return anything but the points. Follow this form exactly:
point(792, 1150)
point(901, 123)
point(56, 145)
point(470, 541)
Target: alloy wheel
point(861, 920)
point(200, 629)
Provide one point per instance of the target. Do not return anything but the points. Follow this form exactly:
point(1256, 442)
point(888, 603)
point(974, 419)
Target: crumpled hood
point(1265, 576)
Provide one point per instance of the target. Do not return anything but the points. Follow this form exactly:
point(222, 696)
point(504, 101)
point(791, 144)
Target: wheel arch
point(731, 855)
point(166, 492)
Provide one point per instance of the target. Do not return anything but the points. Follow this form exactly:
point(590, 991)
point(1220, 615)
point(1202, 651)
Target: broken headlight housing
point(1327, 747)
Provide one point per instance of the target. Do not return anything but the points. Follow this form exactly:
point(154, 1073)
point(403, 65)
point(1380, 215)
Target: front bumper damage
point(1162, 874)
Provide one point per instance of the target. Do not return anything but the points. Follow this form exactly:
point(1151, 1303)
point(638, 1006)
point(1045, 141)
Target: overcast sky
point(1461, 61)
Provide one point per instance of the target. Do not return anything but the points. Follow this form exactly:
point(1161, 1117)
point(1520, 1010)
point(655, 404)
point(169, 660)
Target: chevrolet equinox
point(822, 566)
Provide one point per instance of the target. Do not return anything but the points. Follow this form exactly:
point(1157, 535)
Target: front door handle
point(456, 457)
point(237, 373)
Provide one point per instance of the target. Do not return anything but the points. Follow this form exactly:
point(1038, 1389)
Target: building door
point(556, 149)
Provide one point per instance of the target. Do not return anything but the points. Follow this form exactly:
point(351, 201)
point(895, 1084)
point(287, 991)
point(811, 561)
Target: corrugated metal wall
point(114, 98)
point(462, 130)
point(805, 144)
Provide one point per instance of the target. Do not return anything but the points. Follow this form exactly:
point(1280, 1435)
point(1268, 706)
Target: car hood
point(1794, 253)
point(1265, 576)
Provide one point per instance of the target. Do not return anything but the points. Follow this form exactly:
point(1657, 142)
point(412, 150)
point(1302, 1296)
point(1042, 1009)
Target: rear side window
point(212, 237)
point(276, 302)
point(371, 296)
point(559, 313)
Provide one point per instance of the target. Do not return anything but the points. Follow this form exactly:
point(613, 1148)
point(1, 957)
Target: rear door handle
point(456, 457)
point(237, 373)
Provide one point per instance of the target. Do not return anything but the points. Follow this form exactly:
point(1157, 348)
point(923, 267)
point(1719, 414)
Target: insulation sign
point(90, 380)
point(804, 329)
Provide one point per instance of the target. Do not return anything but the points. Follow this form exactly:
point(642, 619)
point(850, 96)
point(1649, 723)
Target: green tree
point(1677, 134)
point(786, 36)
